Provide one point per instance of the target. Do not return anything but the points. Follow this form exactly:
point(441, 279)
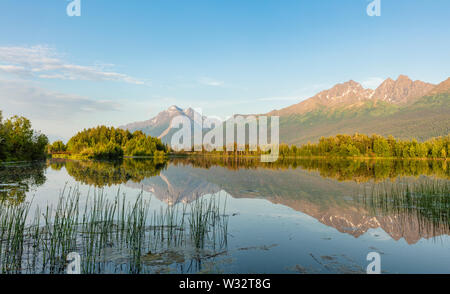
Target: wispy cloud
point(14, 69)
point(45, 63)
point(57, 114)
point(25, 98)
point(210, 82)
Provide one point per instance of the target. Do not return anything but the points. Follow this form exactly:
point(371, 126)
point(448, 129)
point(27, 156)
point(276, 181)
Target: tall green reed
point(41, 244)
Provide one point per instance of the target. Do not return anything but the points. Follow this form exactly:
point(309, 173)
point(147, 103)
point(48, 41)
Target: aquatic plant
point(427, 200)
point(111, 235)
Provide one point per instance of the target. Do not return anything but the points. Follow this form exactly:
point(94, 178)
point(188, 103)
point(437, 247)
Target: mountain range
point(403, 108)
point(159, 126)
point(352, 94)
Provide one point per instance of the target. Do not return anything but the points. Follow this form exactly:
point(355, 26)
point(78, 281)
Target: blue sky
point(124, 61)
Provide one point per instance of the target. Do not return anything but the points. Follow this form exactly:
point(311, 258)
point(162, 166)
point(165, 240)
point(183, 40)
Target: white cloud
point(56, 114)
point(14, 69)
point(372, 83)
point(211, 82)
point(45, 63)
point(25, 97)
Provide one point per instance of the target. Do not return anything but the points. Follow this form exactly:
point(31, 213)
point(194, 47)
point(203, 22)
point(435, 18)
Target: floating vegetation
point(111, 235)
point(426, 200)
point(263, 247)
point(330, 264)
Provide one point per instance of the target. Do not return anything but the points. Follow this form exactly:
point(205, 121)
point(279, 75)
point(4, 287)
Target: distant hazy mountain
point(160, 125)
point(401, 91)
point(348, 93)
point(403, 108)
point(442, 88)
point(352, 94)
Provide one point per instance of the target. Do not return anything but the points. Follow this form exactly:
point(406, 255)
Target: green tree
point(18, 141)
point(362, 145)
point(104, 142)
point(57, 146)
point(2, 139)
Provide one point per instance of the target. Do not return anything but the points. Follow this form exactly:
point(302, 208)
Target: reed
point(427, 200)
point(40, 244)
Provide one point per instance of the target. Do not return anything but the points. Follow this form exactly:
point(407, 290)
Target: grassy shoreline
point(81, 157)
point(310, 157)
point(193, 154)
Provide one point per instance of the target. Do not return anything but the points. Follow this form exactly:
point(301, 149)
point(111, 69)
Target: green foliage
point(357, 145)
point(2, 139)
point(425, 199)
point(373, 146)
point(19, 142)
point(109, 143)
point(41, 242)
point(435, 101)
point(426, 118)
point(57, 147)
point(142, 145)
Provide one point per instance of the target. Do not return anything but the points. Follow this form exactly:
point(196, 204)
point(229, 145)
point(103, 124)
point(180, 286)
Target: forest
point(19, 142)
point(357, 145)
point(110, 143)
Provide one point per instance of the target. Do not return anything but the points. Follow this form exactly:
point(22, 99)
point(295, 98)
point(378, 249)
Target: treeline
point(19, 142)
point(374, 146)
point(110, 143)
point(357, 145)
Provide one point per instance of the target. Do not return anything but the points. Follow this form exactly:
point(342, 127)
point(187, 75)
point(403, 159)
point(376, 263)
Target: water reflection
point(108, 173)
point(19, 178)
point(334, 192)
point(422, 207)
point(328, 190)
point(340, 169)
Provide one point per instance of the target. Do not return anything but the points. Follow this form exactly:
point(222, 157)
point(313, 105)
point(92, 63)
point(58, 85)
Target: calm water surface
point(295, 216)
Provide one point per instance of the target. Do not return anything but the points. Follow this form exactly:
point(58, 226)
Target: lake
point(292, 216)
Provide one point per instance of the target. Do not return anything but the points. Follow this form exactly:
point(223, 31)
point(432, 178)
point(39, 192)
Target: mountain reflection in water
point(328, 190)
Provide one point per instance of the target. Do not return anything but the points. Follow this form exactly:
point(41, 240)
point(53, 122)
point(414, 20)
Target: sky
point(123, 61)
